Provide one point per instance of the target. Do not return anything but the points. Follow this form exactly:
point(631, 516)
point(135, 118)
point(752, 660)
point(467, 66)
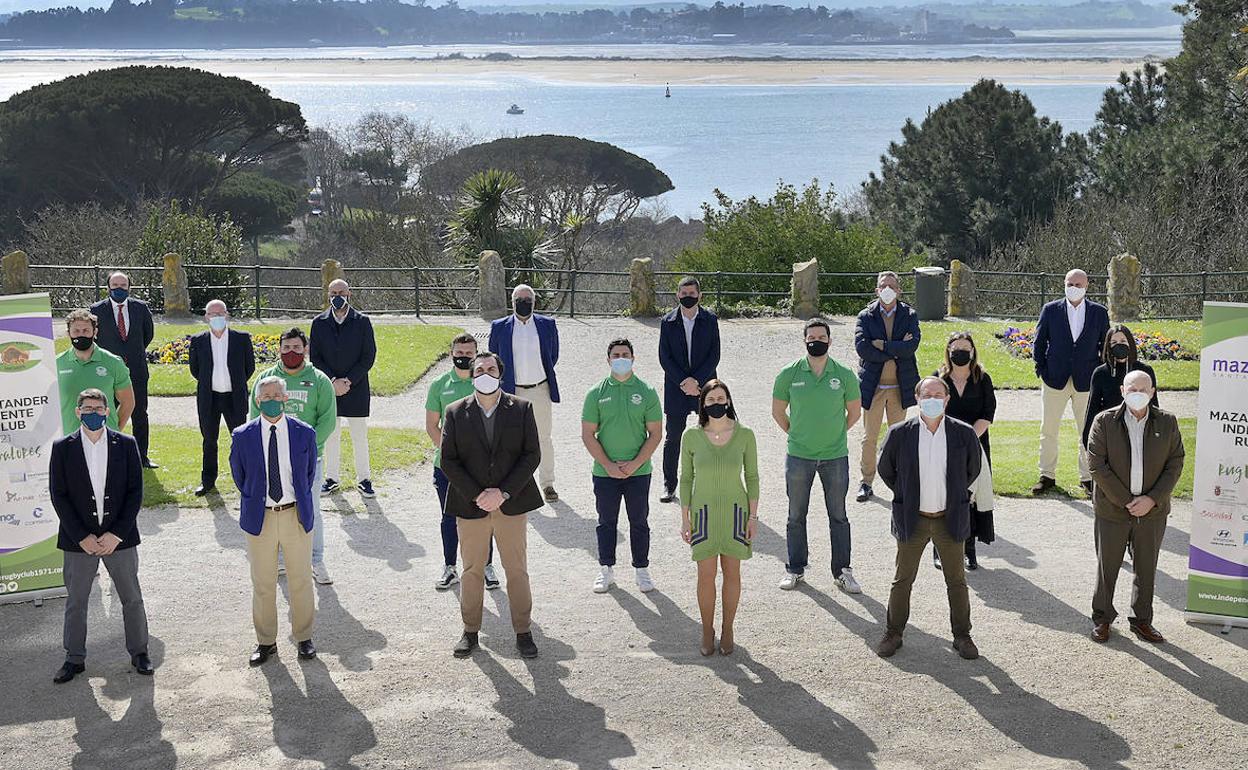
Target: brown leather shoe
point(1043, 485)
point(889, 645)
point(1145, 631)
point(1100, 633)
point(966, 648)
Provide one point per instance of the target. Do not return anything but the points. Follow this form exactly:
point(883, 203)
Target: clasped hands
point(490, 499)
point(341, 386)
point(103, 545)
point(622, 469)
point(689, 386)
point(1140, 506)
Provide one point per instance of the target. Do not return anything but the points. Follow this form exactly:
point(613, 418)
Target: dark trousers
point(123, 568)
point(450, 532)
point(674, 429)
point(221, 405)
point(635, 494)
point(1145, 535)
point(910, 556)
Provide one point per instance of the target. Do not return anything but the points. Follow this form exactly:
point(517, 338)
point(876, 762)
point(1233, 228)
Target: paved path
point(619, 683)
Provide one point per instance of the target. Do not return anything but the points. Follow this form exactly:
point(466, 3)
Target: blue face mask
point(93, 421)
point(621, 366)
point(217, 322)
point(119, 295)
point(932, 407)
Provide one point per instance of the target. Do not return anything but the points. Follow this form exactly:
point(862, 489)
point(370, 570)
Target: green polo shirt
point(102, 370)
point(309, 396)
point(443, 392)
point(621, 411)
point(817, 408)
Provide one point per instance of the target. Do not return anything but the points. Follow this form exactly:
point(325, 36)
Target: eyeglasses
point(93, 409)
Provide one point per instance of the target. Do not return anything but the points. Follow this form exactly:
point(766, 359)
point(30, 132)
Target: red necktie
point(121, 321)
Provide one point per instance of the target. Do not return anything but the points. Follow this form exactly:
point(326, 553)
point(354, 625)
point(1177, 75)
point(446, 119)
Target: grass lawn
point(1010, 372)
point(178, 450)
point(404, 353)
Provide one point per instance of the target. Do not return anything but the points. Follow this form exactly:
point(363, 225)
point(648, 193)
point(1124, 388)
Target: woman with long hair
point(1120, 354)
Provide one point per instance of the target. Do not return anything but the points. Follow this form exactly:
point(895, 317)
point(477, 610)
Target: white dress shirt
point(1076, 314)
point(933, 461)
point(125, 313)
point(689, 334)
point(283, 459)
point(1135, 429)
point(526, 352)
point(96, 455)
point(220, 362)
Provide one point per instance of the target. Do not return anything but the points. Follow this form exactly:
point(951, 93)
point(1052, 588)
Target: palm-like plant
point(489, 217)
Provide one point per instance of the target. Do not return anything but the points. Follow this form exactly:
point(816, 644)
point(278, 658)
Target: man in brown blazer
point(490, 449)
point(1135, 454)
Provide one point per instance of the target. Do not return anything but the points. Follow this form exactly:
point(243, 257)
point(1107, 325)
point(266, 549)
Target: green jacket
point(310, 397)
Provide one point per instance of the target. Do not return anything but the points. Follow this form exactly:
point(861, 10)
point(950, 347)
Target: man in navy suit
point(96, 484)
point(689, 355)
point(1069, 337)
point(125, 330)
point(528, 345)
point(273, 461)
point(222, 360)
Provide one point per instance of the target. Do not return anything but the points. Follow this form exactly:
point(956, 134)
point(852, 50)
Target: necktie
point(121, 321)
point(275, 467)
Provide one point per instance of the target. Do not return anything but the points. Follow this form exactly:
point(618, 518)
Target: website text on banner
point(30, 420)
point(1217, 581)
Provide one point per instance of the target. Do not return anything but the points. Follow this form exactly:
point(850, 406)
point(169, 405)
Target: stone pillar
point(176, 288)
point(641, 288)
point(962, 291)
point(492, 285)
point(16, 273)
point(805, 289)
point(331, 270)
point(1124, 288)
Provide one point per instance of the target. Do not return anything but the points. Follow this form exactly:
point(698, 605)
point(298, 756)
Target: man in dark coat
point(125, 330)
point(222, 361)
point(343, 347)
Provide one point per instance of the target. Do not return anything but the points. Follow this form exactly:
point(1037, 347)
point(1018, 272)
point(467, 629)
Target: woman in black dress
point(1121, 356)
point(972, 400)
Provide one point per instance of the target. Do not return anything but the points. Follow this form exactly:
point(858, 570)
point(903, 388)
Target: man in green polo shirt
point(816, 401)
point(87, 365)
point(621, 426)
point(310, 397)
point(453, 386)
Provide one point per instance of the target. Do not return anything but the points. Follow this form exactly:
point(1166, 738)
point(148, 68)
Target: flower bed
point(179, 351)
point(1152, 346)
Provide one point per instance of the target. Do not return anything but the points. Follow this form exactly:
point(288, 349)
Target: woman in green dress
point(718, 505)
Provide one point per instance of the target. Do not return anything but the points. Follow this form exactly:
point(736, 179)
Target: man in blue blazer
point(1069, 337)
point(273, 461)
point(125, 330)
point(528, 344)
point(689, 355)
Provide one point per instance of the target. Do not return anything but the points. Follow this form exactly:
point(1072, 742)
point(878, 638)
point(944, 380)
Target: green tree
point(975, 173)
point(1129, 129)
point(257, 204)
point(214, 246)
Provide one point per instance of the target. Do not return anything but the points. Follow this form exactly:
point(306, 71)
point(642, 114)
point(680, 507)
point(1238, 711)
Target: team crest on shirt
point(101, 371)
point(636, 399)
point(834, 383)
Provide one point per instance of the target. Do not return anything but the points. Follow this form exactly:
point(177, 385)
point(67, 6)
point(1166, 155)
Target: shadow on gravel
point(1036, 724)
point(343, 636)
point(566, 529)
point(320, 725)
point(804, 721)
point(374, 536)
point(225, 524)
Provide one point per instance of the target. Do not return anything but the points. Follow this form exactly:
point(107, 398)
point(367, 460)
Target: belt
point(534, 385)
point(936, 515)
point(287, 506)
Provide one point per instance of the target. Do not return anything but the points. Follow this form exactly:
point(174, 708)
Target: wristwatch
point(506, 496)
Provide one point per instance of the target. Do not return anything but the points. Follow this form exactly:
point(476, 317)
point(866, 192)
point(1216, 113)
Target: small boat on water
point(515, 109)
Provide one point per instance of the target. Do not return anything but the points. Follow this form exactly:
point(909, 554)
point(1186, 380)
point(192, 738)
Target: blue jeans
point(318, 524)
point(799, 476)
point(450, 532)
point(635, 494)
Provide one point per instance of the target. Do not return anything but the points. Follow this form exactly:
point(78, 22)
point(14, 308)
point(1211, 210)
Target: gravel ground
point(619, 682)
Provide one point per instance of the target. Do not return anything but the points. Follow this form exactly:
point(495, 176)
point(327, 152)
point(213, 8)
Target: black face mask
point(82, 343)
point(1120, 351)
point(716, 410)
point(524, 307)
point(462, 362)
point(817, 348)
point(688, 301)
point(960, 357)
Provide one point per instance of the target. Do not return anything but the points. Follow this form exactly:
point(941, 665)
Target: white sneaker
point(847, 583)
point(321, 575)
point(491, 578)
point(449, 578)
point(644, 581)
point(604, 581)
point(789, 581)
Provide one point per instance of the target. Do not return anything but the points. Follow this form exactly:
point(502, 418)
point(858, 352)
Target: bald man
point(1136, 455)
point(1069, 338)
point(125, 330)
point(222, 360)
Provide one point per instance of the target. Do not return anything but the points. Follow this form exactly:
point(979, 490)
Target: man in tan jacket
point(1135, 454)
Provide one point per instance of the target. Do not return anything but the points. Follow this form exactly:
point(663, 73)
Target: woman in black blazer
point(1121, 356)
point(973, 400)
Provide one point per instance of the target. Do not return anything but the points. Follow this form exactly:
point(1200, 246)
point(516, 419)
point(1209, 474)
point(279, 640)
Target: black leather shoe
point(202, 490)
point(307, 650)
point(1087, 487)
point(466, 644)
point(262, 653)
point(142, 664)
point(68, 672)
point(668, 496)
point(147, 463)
point(864, 493)
point(1043, 485)
point(526, 646)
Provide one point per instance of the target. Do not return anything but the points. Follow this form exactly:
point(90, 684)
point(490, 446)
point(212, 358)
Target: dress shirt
point(125, 313)
point(340, 318)
point(96, 455)
point(933, 459)
point(283, 459)
point(220, 363)
point(526, 351)
point(689, 334)
point(1076, 314)
point(1135, 429)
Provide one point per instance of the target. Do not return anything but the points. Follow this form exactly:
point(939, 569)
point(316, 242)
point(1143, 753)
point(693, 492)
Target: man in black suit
point(96, 485)
point(222, 362)
point(125, 330)
point(689, 354)
point(930, 462)
point(490, 450)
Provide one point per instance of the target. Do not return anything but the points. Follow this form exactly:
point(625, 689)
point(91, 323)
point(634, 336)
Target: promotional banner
point(1217, 582)
point(30, 420)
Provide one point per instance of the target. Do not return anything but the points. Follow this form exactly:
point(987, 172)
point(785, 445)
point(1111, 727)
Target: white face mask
point(887, 295)
point(1137, 400)
point(485, 384)
point(1075, 293)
